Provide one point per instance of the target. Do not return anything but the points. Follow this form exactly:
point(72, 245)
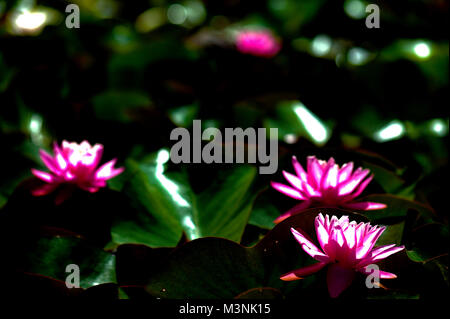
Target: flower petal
point(293, 180)
point(44, 189)
point(91, 189)
point(98, 151)
point(345, 172)
point(360, 188)
point(315, 172)
point(323, 235)
point(338, 279)
point(46, 177)
point(382, 274)
point(286, 190)
point(369, 241)
point(303, 272)
point(60, 160)
point(49, 161)
point(350, 185)
point(293, 211)
point(309, 247)
point(379, 254)
point(299, 169)
point(107, 170)
point(364, 205)
point(330, 177)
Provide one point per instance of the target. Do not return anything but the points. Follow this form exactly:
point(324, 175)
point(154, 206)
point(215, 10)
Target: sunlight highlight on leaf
point(315, 128)
point(392, 131)
point(171, 187)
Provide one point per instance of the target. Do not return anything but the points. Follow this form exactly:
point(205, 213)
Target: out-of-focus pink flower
point(257, 42)
point(325, 184)
point(75, 164)
point(347, 248)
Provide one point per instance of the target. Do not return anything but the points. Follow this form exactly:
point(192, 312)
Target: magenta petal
point(380, 253)
point(44, 189)
point(385, 251)
point(46, 177)
point(116, 171)
point(350, 185)
point(257, 42)
point(323, 234)
point(369, 241)
point(98, 154)
point(303, 272)
point(330, 177)
point(315, 172)
point(107, 170)
point(59, 157)
point(364, 206)
point(338, 279)
point(345, 172)
point(91, 189)
point(48, 160)
point(309, 247)
point(382, 274)
point(299, 169)
point(387, 275)
point(360, 188)
point(293, 180)
point(293, 211)
point(98, 183)
point(286, 190)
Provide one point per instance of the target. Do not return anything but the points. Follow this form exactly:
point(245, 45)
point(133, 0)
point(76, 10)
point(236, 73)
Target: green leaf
point(218, 268)
point(294, 119)
point(264, 212)
point(49, 256)
point(396, 207)
point(166, 205)
point(392, 234)
point(415, 256)
point(389, 180)
point(151, 220)
point(428, 242)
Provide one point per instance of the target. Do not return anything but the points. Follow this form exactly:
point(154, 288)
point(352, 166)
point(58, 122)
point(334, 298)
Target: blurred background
point(135, 70)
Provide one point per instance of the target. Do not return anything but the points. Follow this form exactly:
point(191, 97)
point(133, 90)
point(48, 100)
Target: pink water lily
point(76, 165)
point(347, 248)
point(325, 184)
point(257, 42)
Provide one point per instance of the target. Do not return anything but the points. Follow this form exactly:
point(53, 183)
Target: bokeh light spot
point(358, 56)
point(312, 124)
point(355, 9)
point(422, 50)
point(30, 20)
point(394, 130)
point(439, 127)
point(177, 14)
point(321, 45)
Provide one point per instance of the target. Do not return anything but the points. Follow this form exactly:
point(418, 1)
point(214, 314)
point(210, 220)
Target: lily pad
point(219, 268)
point(166, 205)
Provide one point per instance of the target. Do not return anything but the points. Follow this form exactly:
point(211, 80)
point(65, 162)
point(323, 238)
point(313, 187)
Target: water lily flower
point(257, 42)
point(325, 184)
point(75, 165)
point(347, 248)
